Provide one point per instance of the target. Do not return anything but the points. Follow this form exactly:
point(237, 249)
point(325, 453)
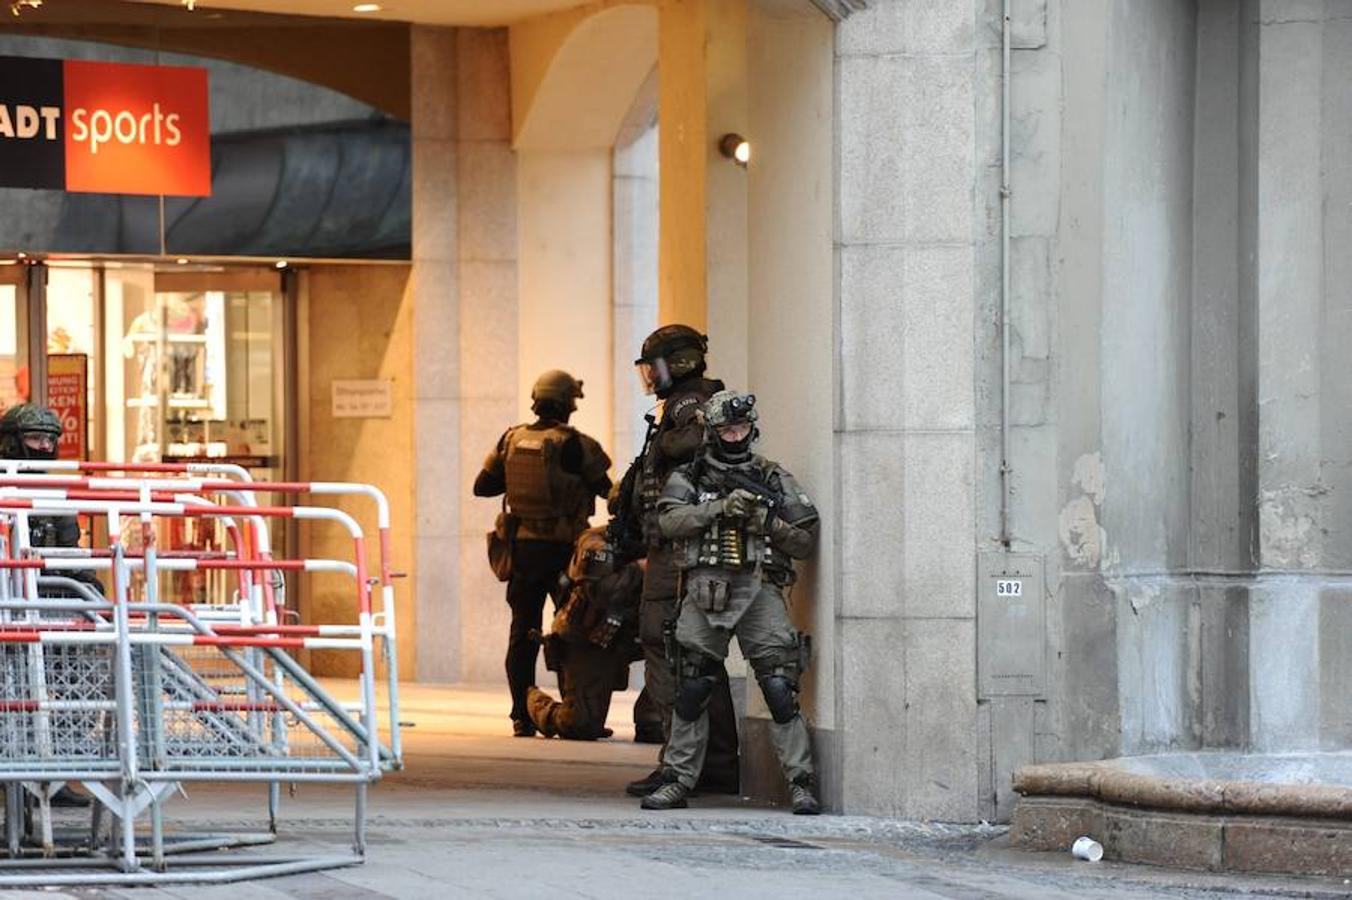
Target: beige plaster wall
point(790, 349)
point(564, 220)
point(356, 322)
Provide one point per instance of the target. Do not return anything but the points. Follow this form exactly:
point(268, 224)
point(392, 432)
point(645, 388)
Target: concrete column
point(489, 372)
point(703, 237)
point(465, 328)
point(436, 345)
point(906, 428)
point(1293, 501)
point(634, 280)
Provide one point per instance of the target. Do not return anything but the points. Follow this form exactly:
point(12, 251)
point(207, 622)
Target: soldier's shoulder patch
point(682, 404)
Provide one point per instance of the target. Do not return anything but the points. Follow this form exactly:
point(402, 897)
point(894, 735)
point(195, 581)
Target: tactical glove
point(739, 504)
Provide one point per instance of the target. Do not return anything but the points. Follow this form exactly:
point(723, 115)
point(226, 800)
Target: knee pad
point(692, 696)
point(698, 675)
point(781, 696)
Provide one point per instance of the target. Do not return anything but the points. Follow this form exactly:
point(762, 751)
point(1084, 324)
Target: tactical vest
point(593, 559)
point(537, 486)
point(727, 543)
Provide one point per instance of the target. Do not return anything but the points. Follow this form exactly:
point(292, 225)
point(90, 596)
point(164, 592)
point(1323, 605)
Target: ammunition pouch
point(556, 651)
point(709, 593)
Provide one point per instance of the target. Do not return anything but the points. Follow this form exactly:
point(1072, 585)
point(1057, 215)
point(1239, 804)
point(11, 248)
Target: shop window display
point(184, 372)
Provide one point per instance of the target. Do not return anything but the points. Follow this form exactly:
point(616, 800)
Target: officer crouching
point(739, 521)
point(593, 639)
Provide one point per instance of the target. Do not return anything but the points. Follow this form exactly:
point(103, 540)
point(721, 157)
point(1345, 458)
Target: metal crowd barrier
point(136, 693)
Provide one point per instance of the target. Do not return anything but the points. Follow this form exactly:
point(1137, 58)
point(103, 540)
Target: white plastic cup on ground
point(1087, 849)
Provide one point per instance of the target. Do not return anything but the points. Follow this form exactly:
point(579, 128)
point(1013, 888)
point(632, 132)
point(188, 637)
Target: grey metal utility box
point(1011, 629)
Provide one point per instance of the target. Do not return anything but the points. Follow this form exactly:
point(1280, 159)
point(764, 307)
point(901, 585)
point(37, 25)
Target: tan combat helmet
point(559, 387)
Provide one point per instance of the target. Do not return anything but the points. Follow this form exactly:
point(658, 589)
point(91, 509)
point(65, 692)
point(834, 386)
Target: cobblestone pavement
point(478, 814)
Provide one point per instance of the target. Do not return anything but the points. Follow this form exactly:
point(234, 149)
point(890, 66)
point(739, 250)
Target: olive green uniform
point(593, 639)
point(735, 574)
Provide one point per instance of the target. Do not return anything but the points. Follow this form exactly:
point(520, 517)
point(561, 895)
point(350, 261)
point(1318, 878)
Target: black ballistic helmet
point(671, 353)
point(28, 419)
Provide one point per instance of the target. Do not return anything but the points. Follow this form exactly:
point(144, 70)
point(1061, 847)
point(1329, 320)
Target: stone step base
point(1208, 841)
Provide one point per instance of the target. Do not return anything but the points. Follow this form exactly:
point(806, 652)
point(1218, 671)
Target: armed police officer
point(672, 367)
point(550, 474)
point(739, 521)
point(593, 639)
point(32, 432)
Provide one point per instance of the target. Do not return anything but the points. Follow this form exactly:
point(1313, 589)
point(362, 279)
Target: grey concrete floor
point(480, 814)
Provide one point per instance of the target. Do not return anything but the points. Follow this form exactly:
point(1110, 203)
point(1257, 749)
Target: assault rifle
point(767, 497)
point(626, 528)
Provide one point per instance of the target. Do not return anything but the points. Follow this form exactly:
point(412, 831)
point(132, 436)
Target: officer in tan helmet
point(549, 474)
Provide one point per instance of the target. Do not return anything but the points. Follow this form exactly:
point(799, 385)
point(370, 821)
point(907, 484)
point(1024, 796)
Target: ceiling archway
point(591, 81)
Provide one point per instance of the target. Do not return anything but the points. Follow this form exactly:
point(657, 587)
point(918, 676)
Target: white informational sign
point(371, 398)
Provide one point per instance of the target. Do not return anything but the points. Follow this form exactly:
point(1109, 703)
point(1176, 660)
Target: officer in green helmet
point(28, 432)
point(550, 475)
point(671, 366)
point(739, 521)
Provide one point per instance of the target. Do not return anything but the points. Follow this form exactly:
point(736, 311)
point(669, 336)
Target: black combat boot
point(523, 728)
point(671, 795)
point(649, 733)
point(803, 796)
point(645, 785)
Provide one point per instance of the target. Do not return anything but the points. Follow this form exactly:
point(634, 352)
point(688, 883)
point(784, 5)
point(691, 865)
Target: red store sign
point(111, 128)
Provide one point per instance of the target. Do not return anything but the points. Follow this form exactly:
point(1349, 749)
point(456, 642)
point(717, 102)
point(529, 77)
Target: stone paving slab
point(478, 813)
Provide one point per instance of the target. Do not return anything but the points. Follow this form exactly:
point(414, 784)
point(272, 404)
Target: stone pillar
point(703, 235)
point(436, 344)
point(465, 330)
point(633, 277)
point(1298, 648)
point(906, 426)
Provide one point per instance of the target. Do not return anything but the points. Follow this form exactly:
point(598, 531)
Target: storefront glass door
point(172, 365)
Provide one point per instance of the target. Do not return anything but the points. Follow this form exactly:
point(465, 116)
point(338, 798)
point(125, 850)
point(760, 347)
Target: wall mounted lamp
point(736, 148)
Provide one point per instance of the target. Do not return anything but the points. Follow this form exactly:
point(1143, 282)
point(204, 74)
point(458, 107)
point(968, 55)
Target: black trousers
point(535, 574)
